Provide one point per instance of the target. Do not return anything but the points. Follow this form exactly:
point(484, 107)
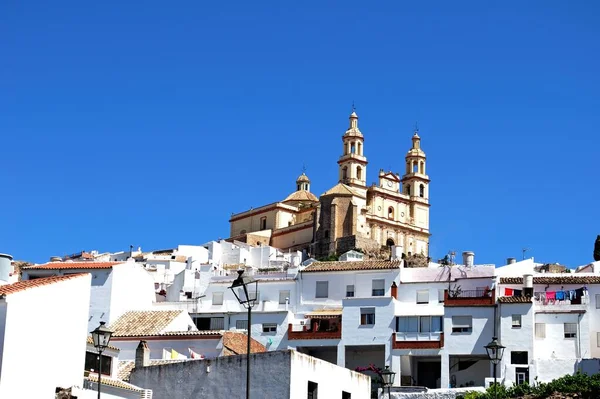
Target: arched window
point(353, 148)
point(407, 189)
point(359, 173)
point(389, 243)
point(297, 187)
point(345, 172)
point(415, 167)
point(407, 167)
point(421, 191)
point(359, 149)
point(390, 212)
point(421, 168)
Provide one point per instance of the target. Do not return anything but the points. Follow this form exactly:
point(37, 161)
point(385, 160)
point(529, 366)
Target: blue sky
point(148, 123)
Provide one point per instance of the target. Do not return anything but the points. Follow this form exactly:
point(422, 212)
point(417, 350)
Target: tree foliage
point(597, 249)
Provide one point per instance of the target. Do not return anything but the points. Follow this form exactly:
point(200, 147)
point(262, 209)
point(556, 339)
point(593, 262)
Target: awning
point(324, 314)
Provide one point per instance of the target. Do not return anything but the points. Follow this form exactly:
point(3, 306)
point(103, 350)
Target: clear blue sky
point(148, 123)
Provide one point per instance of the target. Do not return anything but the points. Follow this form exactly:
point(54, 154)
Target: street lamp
point(388, 377)
point(101, 336)
point(495, 351)
point(245, 290)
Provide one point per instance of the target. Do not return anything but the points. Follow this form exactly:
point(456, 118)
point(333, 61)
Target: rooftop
point(90, 340)
point(73, 265)
point(514, 299)
point(235, 343)
point(144, 322)
point(126, 366)
point(113, 382)
point(38, 282)
point(338, 266)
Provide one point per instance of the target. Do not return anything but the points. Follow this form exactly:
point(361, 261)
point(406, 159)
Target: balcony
point(321, 326)
point(480, 297)
point(432, 340)
point(574, 305)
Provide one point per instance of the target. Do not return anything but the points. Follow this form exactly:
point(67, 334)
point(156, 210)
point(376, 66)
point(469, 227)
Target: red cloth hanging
point(508, 292)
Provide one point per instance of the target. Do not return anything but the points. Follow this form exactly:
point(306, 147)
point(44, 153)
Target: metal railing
point(481, 293)
point(414, 336)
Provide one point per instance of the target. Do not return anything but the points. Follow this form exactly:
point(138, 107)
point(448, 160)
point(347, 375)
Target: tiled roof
point(302, 195)
point(567, 279)
point(113, 382)
point(191, 333)
point(28, 284)
point(143, 322)
point(73, 265)
point(358, 265)
point(127, 366)
point(340, 189)
point(90, 340)
point(514, 299)
point(235, 343)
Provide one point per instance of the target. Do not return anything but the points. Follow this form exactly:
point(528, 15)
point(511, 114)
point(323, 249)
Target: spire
point(353, 118)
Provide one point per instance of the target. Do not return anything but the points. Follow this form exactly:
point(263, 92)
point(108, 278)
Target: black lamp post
point(495, 351)
point(245, 290)
point(388, 377)
point(101, 336)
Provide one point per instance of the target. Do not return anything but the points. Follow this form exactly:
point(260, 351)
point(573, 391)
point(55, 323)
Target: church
point(350, 215)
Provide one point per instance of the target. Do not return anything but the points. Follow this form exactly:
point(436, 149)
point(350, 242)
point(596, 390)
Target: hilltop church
point(395, 211)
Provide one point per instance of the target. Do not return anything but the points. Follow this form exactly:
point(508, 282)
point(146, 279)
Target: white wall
point(209, 348)
point(516, 339)
point(555, 345)
point(58, 314)
point(331, 379)
point(407, 300)
point(132, 289)
point(469, 343)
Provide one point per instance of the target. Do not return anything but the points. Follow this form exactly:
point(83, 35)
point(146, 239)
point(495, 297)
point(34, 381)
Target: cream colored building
point(395, 211)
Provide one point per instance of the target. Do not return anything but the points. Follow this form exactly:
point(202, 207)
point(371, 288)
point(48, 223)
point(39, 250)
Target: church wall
point(380, 206)
point(276, 218)
point(422, 216)
point(293, 238)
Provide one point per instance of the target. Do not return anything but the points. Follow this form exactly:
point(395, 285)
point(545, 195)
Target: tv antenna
point(524, 250)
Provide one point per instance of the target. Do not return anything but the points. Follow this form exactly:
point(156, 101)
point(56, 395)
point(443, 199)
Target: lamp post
point(388, 377)
point(101, 336)
point(245, 290)
point(495, 351)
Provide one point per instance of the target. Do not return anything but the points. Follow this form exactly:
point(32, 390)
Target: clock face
point(389, 183)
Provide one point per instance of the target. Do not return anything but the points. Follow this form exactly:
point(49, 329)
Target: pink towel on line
point(550, 295)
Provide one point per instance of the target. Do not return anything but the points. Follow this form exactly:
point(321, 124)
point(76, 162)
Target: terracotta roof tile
point(358, 265)
point(514, 299)
point(237, 344)
point(113, 382)
point(301, 196)
point(73, 265)
point(567, 279)
point(143, 323)
point(126, 366)
point(37, 282)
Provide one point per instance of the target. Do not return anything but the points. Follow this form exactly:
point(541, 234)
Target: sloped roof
point(514, 299)
point(340, 189)
point(113, 382)
point(301, 195)
point(567, 279)
point(38, 282)
point(90, 340)
point(73, 265)
point(126, 366)
point(235, 343)
point(358, 265)
point(143, 322)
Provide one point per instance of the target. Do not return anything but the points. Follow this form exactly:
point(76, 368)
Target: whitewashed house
point(55, 310)
point(116, 287)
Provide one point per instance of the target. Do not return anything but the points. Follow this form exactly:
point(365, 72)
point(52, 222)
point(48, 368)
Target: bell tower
point(352, 162)
point(415, 182)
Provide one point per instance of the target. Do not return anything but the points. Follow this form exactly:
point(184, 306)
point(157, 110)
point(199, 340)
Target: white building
point(49, 313)
point(279, 374)
point(116, 287)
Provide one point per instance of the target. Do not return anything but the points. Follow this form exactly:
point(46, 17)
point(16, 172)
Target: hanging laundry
point(550, 295)
point(517, 292)
point(579, 292)
point(560, 295)
point(508, 292)
point(572, 295)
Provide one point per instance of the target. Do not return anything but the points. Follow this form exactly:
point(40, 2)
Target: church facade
point(350, 215)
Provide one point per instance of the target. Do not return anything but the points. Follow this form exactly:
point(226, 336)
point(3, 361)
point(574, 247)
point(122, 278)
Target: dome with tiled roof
point(302, 195)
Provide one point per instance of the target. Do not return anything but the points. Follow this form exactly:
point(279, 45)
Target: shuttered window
point(423, 296)
point(283, 295)
point(540, 330)
point(322, 289)
point(378, 288)
point(570, 330)
point(462, 324)
point(217, 298)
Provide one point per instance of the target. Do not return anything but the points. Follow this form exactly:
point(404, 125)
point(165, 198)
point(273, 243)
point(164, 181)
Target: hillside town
point(330, 296)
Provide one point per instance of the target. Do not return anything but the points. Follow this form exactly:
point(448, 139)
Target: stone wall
point(448, 393)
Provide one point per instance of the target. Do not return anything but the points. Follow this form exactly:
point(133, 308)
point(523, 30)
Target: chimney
point(394, 290)
point(142, 355)
point(528, 285)
point(510, 261)
point(468, 258)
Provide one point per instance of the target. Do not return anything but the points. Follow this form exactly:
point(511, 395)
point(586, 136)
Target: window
point(209, 323)
point(91, 363)
point(516, 321)
point(350, 291)
point(521, 375)
point(570, 330)
point(390, 212)
point(598, 339)
point(422, 324)
point(241, 324)
point(462, 324)
point(378, 288)
point(540, 330)
point(359, 173)
point(322, 289)
point(421, 191)
point(346, 395)
point(518, 357)
point(312, 390)
point(284, 297)
point(345, 172)
point(353, 148)
point(217, 298)
point(441, 296)
point(597, 301)
point(423, 296)
point(367, 316)
point(407, 190)
point(269, 327)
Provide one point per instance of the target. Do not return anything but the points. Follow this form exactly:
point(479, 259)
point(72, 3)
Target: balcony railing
point(565, 303)
point(403, 340)
point(479, 297)
point(303, 332)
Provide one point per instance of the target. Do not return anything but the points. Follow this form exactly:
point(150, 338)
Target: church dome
point(301, 196)
point(303, 178)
